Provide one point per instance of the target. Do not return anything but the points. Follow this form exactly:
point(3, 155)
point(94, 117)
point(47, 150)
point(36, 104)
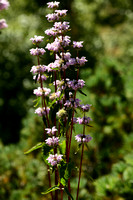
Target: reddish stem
point(80, 171)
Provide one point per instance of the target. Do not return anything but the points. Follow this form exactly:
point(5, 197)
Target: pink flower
point(40, 78)
point(37, 51)
point(4, 4)
point(61, 13)
point(52, 17)
point(77, 44)
point(52, 4)
point(51, 32)
point(42, 111)
point(37, 39)
point(42, 91)
point(86, 107)
point(81, 61)
point(51, 131)
point(54, 141)
point(38, 69)
point(3, 24)
point(83, 138)
point(54, 159)
point(84, 120)
point(61, 26)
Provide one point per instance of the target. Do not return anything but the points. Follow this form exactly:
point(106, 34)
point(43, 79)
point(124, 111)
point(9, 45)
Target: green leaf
point(82, 92)
point(37, 101)
point(63, 181)
point(46, 149)
point(37, 146)
point(55, 187)
point(68, 193)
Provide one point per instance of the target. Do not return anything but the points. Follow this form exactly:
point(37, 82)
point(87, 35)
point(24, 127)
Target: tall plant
point(57, 103)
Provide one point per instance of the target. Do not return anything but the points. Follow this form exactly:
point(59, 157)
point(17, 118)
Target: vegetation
point(106, 28)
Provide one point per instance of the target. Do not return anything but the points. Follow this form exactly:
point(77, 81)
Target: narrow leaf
point(55, 187)
point(82, 92)
point(37, 146)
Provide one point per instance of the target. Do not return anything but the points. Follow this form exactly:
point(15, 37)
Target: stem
point(80, 171)
point(49, 178)
point(44, 104)
point(81, 162)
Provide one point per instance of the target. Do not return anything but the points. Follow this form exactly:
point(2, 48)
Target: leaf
point(36, 101)
point(82, 92)
point(55, 187)
point(63, 181)
point(68, 193)
point(46, 149)
point(37, 146)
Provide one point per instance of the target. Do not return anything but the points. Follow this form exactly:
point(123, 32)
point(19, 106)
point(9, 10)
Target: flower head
point(42, 111)
point(3, 24)
point(4, 4)
point(86, 107)
point(52, 4)
point(83, 138)
point(51, 131)
point(53, 141)
point(37, 51)
point(83, 120)
point(42, 91)
point(38, 69)
point(54, 159)
point(62, 112)
point(37, 39)
point(77, 44)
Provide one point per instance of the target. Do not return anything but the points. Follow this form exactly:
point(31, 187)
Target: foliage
point(106, 28)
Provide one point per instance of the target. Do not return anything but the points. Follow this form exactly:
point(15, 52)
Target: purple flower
point(52, 4)
point(3, 24)
point(84, 120)
point(37, 39)
point(4, 4)
point(54, 159)
point(40, 78)
point(42, 111)
point(55, 46)
point(51, 32)
point(61, 13)
point(68, 104)
point(74, 84)
point(83, 138)
point(81, 61)
point(71, 61)
point(51, 131)
point(77, 44)
point(52, 17)
point(76, 103)
point(53, 141)
point(42, 91)
point(61, 26)
point(38, 69)
point(54, 65)
point(66, 41)
point(37, 51)
point(86, 107)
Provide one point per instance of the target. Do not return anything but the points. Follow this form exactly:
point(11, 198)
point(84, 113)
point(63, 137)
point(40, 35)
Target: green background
point(105, 26)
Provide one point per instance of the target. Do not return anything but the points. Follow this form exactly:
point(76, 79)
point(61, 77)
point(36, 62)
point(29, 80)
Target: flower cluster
point(83, 138)
point(57, 96)
point(4, 4)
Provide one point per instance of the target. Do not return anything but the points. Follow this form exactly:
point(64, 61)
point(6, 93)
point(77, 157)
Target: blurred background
point(106, 27)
